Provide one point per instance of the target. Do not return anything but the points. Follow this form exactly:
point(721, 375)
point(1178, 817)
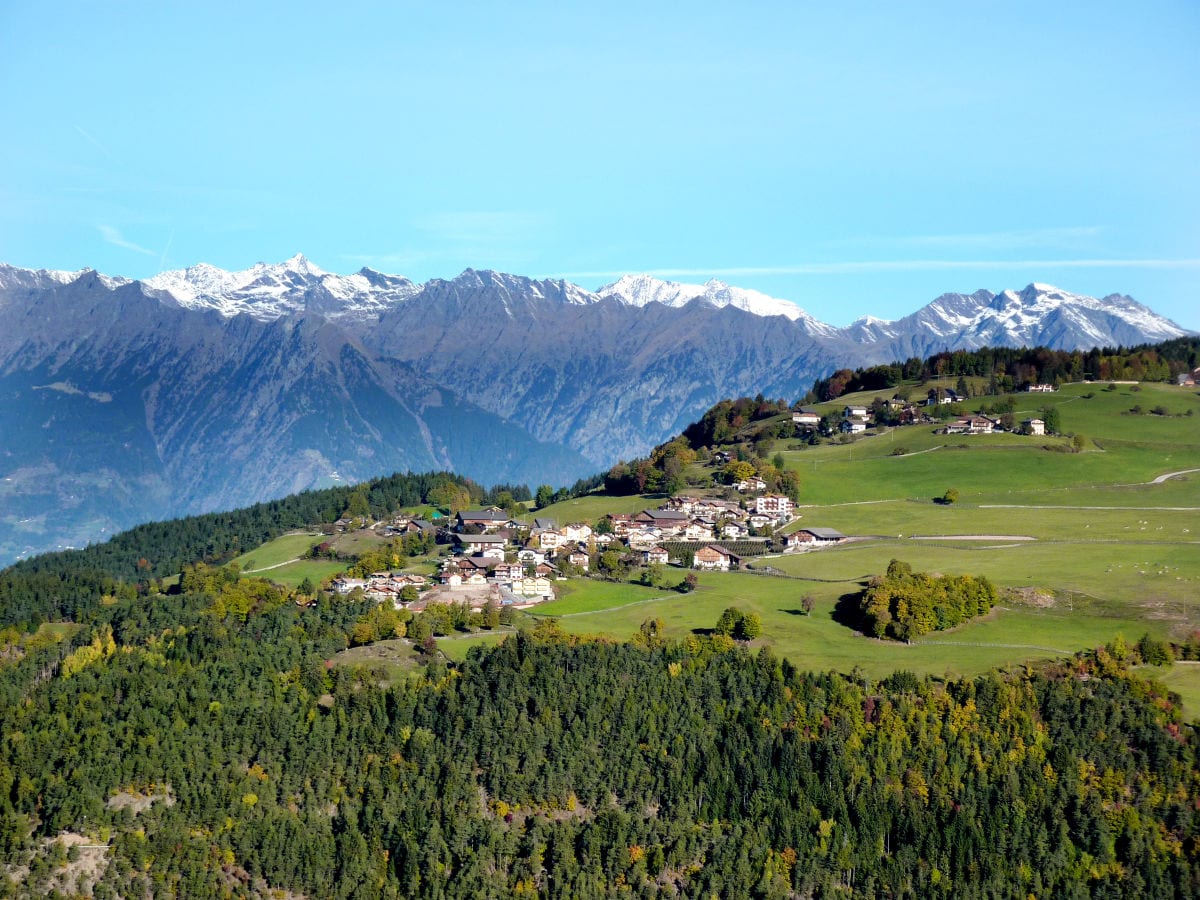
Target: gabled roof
point(545, 524)
point(828, 534)
point(483, 515)
point(666, 515)
point(481, 538)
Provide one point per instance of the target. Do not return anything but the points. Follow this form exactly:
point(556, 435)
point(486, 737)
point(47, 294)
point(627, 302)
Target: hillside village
point(516, 562)
point(518, 559)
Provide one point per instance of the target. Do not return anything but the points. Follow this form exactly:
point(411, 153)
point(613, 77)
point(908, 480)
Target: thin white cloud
point(112, 236)
point(899, 265)
point(993, 240)
point(95, 143)
point(162, 260)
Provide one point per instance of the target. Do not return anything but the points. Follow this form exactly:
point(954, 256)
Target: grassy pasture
point(592, 507)
point(1118, 555)
point(315, 570)
point(283, 548)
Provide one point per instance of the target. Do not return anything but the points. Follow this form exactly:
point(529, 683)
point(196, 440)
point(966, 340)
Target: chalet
point(603, 540)
point(813, 537)
point(806, 417)
point(579, 560)
point(543, 524)
point(484, 518)
point(533, 587)
point(714, 558)
point(418, 526)
point(942, 397)
point(751, 484)
point(477, 543)
point(1040, 388)
point(853, 426)
point(972, 425)
point(855, 412)
point(643, 538)
point(655, 554)
point(621, 523)
point(760, 520)
point(775, 505)
point(662, 518)
point(550, 540)
point(698, 531)
point(683, 504)
point(530, 556)
point(1186, 379)
point(733, 531)
point(545, 570)
point(506, 572)
point(1033, 426)
point(720, 457)
point(577, 532)
point(346, 585)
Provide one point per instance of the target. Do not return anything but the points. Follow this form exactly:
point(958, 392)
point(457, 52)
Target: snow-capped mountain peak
point(267, 291)
point(639, 290)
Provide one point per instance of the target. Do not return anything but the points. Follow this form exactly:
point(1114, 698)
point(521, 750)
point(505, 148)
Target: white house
point(776, 506)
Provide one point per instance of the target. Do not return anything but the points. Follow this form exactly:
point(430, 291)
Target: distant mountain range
point(201, 389)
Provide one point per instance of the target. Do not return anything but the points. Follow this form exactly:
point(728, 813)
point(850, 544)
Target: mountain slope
point(142, 411)
point(201, 388)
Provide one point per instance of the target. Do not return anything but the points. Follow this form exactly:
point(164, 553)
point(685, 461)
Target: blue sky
point(854, 158)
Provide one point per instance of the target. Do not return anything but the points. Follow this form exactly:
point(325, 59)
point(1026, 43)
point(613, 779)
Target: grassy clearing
point(397, 658)
point(1184, 679)
point(585, 595)
point(315, 570)
point(282, 549)
point(592, 507)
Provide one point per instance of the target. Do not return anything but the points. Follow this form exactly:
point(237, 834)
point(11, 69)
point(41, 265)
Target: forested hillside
point(557, 767)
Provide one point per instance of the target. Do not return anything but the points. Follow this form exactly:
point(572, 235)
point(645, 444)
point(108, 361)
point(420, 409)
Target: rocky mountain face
point(118, 408)
point(199, 389)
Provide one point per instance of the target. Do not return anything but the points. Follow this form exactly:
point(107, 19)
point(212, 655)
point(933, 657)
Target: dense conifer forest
point(560, 767)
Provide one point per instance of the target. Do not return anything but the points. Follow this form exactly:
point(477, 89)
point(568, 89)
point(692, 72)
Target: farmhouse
point(662, 518)
point(655, 554)
point(484, 518)
point(478, 543)
point(942, 396)
point(1034, 426)
point(714, 558)
point(806, 417)
point(972, 425)
point(855, 412)
point(853, 426)
point(1041, 388)
point(813, 537)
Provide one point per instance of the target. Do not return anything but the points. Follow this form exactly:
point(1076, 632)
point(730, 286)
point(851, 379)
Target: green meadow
point(1090, 548)
point(1086, 545)
point(282, 549)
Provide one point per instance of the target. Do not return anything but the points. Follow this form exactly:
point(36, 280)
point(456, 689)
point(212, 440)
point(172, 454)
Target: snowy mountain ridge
point(1037, 314)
